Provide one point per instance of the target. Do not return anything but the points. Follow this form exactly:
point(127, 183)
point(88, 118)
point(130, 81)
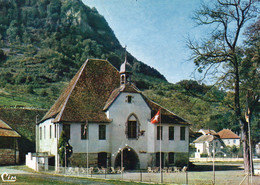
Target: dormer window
point(129, 99)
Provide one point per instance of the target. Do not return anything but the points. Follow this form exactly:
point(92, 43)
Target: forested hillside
point(43, 43)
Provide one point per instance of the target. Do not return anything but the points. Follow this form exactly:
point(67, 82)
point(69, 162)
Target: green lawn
point(39, 178)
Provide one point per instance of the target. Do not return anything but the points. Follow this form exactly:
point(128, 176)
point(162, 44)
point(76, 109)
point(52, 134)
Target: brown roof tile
point(92, 90)
point(7, 131)
point(227, 134)
point(167, 116)
point(204, 138)
point(86, 94)
point(207, 131)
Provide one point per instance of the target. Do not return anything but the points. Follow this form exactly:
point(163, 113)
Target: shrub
point(203, 155)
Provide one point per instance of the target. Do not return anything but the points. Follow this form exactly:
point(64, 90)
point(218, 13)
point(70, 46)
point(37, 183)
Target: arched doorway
point(130, 159)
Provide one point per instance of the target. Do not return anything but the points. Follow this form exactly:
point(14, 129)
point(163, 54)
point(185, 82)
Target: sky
point(154, 31)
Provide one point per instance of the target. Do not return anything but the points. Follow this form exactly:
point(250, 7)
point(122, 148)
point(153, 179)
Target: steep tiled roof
point(7, 131)
point(167, 116)
point(207, 131)
point(92, 91)
point(86, 94)
point(227, 134)
point(205, 138)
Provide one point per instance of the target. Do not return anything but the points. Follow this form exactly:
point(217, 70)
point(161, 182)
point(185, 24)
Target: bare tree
point(226, 18)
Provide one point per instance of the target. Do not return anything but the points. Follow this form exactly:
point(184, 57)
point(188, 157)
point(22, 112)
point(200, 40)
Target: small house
point(229, 138)
point(9, 153)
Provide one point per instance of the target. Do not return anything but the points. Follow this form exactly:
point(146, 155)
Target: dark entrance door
point(102, 159)
point(130, 159)
point(158, 159)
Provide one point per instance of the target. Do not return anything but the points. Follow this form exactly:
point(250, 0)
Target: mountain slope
point(44, 42)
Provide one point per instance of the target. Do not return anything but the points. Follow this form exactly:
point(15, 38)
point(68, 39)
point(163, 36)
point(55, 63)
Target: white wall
point(231, 142)
point(119, 111)
point(207, 148)
point(176, 145)
point(200, 148)
point(94, 144)
point(147, 143)
point(47, 143)
point(31, 161)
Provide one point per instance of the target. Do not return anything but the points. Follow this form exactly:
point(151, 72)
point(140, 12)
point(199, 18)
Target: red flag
point(156, 118)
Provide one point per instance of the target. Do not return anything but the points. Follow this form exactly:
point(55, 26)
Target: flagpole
point(86, 130)
point(161, 146)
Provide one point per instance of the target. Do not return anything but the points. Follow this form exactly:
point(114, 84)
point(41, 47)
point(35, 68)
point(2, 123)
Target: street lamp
point(122, 158)
point(65, 153)
point(214, 153)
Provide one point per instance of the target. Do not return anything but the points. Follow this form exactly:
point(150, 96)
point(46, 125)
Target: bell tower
point(125, 72)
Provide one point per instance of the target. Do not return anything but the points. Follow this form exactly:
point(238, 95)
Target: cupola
point(125, 72)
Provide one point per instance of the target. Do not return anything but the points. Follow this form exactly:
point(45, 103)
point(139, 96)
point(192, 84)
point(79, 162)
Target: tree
point(62, 146)
point(2, 55)
point(221, 52)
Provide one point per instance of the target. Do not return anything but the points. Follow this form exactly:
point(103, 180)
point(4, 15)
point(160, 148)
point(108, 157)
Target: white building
point(118, 117)
point(229, 138)
point(206, 144)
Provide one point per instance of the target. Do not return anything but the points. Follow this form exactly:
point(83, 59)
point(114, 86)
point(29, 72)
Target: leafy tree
point(62, 146)
point(2, 55)
point(12, 31)
point(227, 17)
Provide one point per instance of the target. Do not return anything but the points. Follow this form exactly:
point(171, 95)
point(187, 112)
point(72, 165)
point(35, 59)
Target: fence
point(226, 176)
point(116, 174)
point(219, 159)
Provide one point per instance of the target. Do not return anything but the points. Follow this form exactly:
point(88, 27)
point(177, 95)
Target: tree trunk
point(246, 149)
point(243, 123)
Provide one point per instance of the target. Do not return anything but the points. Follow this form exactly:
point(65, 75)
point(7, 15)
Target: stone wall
point(80, 160)
point(8, 156)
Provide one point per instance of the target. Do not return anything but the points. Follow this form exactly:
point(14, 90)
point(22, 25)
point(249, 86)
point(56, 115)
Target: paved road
point(12, 170)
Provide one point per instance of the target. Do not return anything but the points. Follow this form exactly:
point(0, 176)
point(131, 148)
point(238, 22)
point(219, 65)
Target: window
point(40, 133)
point(132, 129)
point(44, 132)
point(55, 129)
point(66, 129)
point(159, 132)
point(182, 133)
point(171, 133)
point(122, 79)
point(102, 132)
point(171, 158)
point(129, 99)
point(84, 131)
point(50, 131)
point(234, 141)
